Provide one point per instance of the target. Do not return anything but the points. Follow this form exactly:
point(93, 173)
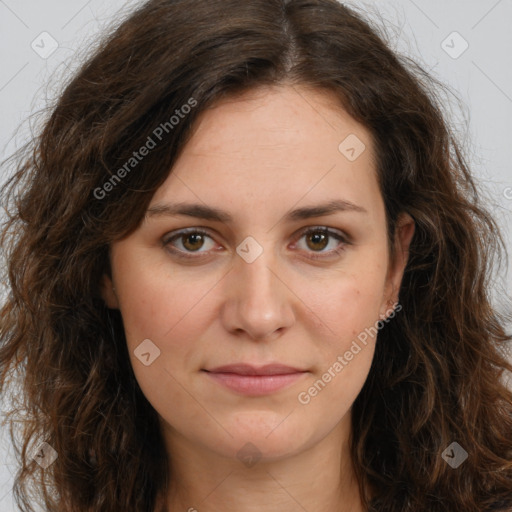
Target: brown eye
point(193, 241)
point(185, 243)
point(319, 240)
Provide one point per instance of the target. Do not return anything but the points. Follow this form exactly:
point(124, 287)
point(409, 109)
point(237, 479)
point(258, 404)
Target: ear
point(403, 236)
point(108, 292)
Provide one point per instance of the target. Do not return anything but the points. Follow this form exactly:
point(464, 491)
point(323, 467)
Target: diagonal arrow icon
point(147, 352)
point(249, 252)
point(454, 455)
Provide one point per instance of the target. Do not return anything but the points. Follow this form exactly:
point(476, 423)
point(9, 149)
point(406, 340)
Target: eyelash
point(316, 229)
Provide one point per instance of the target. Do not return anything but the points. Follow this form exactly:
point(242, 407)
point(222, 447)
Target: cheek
point(172, 312)
point(347, 303)
point(155, 303)
point(344, 334)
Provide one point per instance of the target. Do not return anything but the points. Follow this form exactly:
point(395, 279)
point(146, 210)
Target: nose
point(259, 302)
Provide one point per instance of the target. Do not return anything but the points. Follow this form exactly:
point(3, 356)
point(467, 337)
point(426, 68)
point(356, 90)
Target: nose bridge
point(258, 300)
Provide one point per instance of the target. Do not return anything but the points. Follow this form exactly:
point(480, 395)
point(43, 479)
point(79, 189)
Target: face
point(275, 278)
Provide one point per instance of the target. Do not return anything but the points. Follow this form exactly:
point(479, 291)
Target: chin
point(269, 440)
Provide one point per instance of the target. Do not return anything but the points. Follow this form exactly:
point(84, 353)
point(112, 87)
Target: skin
point(258, 156)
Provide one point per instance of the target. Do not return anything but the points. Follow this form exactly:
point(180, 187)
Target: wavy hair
point(438, 371)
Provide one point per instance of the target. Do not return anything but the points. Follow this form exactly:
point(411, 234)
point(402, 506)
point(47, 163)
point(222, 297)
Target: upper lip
point(248, 369)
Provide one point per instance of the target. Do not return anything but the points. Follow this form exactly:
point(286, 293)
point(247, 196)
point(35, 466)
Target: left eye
point(319, 237)
point(192, 240)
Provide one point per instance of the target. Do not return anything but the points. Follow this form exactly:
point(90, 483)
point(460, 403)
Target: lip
point(251, 380)
point(249, 369)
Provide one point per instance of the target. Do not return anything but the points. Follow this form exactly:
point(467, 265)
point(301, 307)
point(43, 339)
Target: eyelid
point(341, 236)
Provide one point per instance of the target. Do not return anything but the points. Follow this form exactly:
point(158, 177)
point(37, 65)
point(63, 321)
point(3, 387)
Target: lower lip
point(256, 385)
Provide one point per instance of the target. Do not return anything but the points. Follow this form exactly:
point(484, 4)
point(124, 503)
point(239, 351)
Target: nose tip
point(258, 302)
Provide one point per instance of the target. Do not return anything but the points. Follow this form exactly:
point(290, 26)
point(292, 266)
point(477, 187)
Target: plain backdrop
point(466, 45)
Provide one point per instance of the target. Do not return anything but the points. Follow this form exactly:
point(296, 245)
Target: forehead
point(278, 145)
point(273, 118)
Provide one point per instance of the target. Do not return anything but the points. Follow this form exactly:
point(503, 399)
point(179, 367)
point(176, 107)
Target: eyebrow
point(215, 214)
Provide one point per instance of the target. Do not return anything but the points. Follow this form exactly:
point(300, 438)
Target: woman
point(249, 270)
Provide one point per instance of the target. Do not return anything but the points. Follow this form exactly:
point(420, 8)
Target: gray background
point(481, 76)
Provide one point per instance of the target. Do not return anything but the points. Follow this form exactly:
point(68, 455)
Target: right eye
point(191, 241)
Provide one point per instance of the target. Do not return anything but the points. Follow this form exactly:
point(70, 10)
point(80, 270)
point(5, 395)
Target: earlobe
point(108, 292)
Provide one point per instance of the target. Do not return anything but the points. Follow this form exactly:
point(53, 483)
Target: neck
point(319, 478)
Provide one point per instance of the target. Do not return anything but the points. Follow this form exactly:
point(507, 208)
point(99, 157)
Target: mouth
point(255, 381)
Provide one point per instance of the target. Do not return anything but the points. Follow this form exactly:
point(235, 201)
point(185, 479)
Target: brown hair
point(438, 367)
